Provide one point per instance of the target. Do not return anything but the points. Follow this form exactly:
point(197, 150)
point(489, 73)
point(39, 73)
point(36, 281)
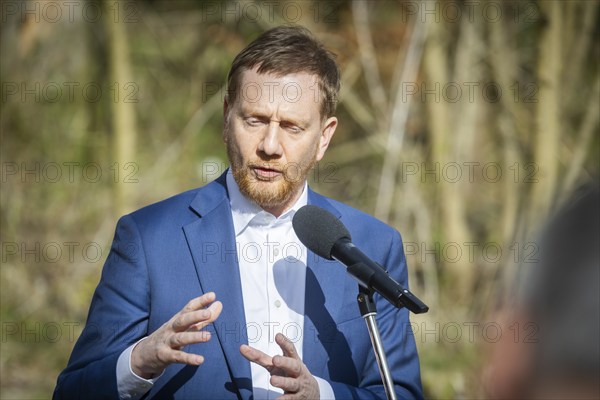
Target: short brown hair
point(286, 50)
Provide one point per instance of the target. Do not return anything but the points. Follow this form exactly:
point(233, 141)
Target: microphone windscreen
point(318, 229)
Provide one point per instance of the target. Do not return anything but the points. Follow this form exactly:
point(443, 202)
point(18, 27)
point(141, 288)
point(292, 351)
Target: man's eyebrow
point(296, 121)
point(263, 114)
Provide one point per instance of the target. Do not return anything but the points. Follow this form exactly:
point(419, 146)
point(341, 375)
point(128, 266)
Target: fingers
point(184, 321)
point(180, 357)
point(289, 385)
point(256, 356)
point(164, 346)
point(151, 355)
point(191, 317)
point(288, 372)
point(214, 310)
point(182, 339)
point(200, 302)
point(289, 350)
point(296, 380)
point(291, 366)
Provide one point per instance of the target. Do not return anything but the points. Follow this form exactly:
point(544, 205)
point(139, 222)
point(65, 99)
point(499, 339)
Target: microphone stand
point(368, 311)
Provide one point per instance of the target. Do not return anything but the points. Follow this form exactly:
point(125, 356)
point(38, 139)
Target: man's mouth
point(265, 173)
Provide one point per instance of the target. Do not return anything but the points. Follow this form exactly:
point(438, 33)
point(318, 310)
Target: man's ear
point(226, 110)
point(326, 134)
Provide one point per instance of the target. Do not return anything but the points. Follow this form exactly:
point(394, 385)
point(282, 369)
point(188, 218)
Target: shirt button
point(277, 303)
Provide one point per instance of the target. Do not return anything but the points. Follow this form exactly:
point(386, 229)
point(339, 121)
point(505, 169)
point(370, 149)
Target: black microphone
point(325, 235)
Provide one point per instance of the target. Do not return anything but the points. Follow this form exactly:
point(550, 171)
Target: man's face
point(274, 134)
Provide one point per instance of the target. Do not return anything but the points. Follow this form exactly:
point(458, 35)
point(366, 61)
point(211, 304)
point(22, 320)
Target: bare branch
point(397, 127)
point(368, 57)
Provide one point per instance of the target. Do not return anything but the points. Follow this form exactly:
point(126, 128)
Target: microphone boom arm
point(371, 275)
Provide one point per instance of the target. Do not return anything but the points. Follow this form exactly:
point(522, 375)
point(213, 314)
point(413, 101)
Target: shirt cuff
point(325, 389)
point(130, 385)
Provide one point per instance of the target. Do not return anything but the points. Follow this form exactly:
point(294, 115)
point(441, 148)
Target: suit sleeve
point(118, 317)
point(398, 343)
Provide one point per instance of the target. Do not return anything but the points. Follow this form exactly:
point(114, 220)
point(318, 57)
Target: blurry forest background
point(462, 124)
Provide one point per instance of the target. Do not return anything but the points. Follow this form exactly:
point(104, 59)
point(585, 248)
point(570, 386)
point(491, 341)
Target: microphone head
point(318, 229)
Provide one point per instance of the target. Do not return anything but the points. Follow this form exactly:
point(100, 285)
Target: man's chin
point(265, 195)
point(268, 194)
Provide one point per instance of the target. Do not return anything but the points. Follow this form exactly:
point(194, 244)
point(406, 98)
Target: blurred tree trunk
point(548, 116)
point(575, 78)
point(449, 199)
point(360, 14)
point(510, 121)
point(589, 126)
point(123, 110)
point(408, 72)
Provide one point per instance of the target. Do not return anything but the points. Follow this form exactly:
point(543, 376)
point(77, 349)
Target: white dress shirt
point(272, 264)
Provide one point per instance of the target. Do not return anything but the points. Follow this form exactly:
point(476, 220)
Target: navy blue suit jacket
point(170, 252)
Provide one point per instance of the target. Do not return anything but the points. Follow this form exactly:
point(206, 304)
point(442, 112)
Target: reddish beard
point(269, 193)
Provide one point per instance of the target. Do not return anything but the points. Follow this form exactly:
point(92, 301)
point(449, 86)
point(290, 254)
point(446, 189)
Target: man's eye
point(292, 128)
point(253, 121)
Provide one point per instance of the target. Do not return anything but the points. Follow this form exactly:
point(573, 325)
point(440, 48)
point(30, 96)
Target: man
point(551, 349)
point(286, 321)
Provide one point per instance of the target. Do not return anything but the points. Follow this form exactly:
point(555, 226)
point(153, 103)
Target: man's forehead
point(301, 82)
point(299, 89)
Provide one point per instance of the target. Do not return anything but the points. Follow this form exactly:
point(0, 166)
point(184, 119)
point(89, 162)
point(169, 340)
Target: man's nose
point(271, 143)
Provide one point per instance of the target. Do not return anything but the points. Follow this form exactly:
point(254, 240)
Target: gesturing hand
point(288, 372)
point(163, 347)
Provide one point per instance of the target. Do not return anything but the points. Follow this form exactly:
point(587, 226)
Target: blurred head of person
point(557, 353)
point(278, 114)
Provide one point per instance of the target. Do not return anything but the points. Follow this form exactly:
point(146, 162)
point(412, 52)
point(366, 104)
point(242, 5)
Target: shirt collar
point(244, 211)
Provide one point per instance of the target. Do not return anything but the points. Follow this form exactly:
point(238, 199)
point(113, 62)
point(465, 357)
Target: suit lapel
point(211, 241)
